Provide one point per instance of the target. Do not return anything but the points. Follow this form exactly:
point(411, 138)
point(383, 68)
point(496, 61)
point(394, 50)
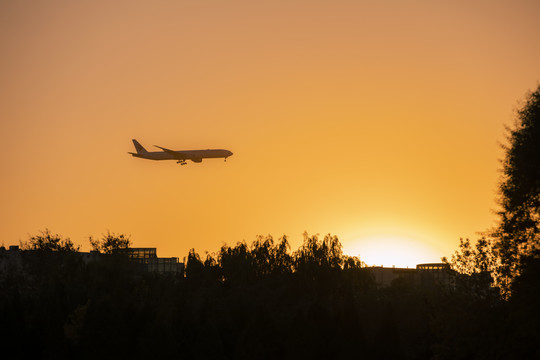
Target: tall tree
point(518, 233)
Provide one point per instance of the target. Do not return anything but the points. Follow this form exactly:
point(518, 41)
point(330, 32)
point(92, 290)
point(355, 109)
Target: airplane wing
point(177, 154)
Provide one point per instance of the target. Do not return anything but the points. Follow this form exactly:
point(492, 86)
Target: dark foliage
point(258, 301)
point(110, 243)
point(518, 234)
point(46, 241)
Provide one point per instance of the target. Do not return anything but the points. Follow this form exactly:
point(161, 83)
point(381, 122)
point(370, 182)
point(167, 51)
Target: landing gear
point(181, 162)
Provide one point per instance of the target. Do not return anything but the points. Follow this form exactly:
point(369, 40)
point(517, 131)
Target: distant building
point(433, 274)
point(147, 258)
point(10, 258)
point(384, 276)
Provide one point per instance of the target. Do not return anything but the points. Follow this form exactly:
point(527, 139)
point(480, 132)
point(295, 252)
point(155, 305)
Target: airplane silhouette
point(180, 156)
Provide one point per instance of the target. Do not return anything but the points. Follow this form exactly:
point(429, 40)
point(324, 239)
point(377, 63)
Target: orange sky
point(375, 121)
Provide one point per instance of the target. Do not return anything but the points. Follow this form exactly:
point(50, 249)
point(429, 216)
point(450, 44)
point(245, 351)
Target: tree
point(110, 243)
point(318, 255)
point(270, 258)
point(469, 260)
point(194, 266)
point(46, 241)
point(475, 267)
point(518, 232)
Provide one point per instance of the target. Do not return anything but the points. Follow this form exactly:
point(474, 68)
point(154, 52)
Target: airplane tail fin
point(140, 149)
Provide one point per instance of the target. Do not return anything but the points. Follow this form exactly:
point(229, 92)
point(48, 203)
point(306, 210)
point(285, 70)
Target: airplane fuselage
point(185, 154)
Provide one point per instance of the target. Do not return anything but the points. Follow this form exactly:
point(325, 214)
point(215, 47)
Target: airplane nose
point(230, 153)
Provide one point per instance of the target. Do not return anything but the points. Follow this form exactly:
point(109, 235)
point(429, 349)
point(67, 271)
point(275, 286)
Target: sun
point(390, 250)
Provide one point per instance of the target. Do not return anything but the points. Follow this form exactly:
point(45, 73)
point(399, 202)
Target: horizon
point(394, 255)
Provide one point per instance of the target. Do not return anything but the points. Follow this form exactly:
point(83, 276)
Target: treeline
point(251, 301)
point(264, 259)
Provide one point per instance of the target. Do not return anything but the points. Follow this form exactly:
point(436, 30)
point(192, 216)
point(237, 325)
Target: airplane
point(180, 156)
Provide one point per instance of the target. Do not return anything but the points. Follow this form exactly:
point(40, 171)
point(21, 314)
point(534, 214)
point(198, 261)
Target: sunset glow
point(377, 123)
point(385, 250)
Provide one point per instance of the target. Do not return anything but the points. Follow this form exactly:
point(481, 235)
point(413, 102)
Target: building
point(147, 258)
point(438, 274)
point(432, 274)
point(385, 276)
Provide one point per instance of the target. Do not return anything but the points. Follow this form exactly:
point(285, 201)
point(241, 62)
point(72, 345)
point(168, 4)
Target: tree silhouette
point(46, 241)
point(237, 263)
point(194, 266)
point(110, 243)
point(518, 233)
point(315, 254)
point(475, 266)
point(470, 260)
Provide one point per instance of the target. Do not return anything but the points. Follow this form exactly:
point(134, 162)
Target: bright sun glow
point(391, 251)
